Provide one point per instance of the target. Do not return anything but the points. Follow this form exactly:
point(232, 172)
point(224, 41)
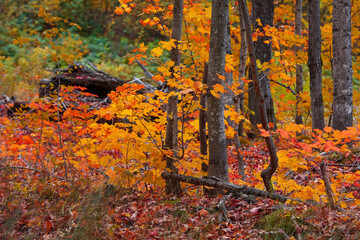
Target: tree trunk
point(242, 67)
point(202, 121)
point(229, 95)
point(342, 65)
point(315, 65)
point(171, 139)
point(263, 10)
point(270, 170)
point(239, 99)
point(299, 70)
point(218, 165)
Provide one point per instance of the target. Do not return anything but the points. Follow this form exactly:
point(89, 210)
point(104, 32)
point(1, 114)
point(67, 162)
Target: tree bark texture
point(342, 65)
point(270, 170)
point(202, 121)
point(299, 70)
point(239, 99)
point(171, 139)
point(315, 66)
point(218, 165)
point(263, 10)
point(225, 186)
point(242, 67)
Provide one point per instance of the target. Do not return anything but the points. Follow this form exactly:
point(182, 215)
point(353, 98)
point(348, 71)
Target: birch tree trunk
point(315, 66)
point(299, 70)
point(342, 65)
point(263, 10)
point(171, 139)
point(218, 165)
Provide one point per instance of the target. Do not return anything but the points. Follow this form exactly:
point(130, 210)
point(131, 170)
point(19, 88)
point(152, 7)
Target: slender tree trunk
point(229, 95)
point(315, 66)
point(263, 10)
point(342, 65)
point(242, 67)
point(171, 139)
point(299, 70)
point(202, 121)
point(218, 165)
point(239, 99)
point(270, 170)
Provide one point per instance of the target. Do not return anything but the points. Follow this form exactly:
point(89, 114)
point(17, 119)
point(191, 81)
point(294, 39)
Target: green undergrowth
point(312, 223)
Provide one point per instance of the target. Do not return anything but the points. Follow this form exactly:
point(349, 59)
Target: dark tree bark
point(270, 170)
point(342, 65)
point(171, 139)
point(315, 66)
point(202, 121)
point(85, 75)
point(299, 70)
point(218, 165)
point(242, 67)
point(263, 10)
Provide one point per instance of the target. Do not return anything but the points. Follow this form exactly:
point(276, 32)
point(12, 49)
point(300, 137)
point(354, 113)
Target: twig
point(146, 72)
point(283, 85)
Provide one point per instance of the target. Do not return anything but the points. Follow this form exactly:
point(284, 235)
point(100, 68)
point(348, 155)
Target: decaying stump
point(96, 82)
point(87, 75)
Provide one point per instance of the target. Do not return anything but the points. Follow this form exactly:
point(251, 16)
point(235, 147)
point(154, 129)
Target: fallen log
point(85, 75)
point(94, 80)
point(218, 183)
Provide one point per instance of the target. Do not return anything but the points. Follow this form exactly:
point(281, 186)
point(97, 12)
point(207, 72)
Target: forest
point(181, 119)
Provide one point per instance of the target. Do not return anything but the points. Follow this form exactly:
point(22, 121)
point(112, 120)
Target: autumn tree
point(218, 165)
point(342, 65)
point(263, 14)
point(173, 186)
point(274, 162)
point(315, 66)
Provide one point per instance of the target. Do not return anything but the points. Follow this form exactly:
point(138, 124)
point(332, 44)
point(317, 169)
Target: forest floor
point(35, 205)
point(39, 204)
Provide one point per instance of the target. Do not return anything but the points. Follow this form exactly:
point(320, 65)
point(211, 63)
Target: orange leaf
point(48, 226)
point(264, 133)
point(203, 213)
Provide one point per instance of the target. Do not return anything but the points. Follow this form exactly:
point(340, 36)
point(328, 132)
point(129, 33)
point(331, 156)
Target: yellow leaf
point(76, 25)
point(214, 94)
point(143, 48)
point(157, 52)
point(219, 88)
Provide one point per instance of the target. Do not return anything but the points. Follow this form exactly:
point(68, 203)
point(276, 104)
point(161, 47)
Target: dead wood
point(218, 183)
point(87, 75)
point(327, 184)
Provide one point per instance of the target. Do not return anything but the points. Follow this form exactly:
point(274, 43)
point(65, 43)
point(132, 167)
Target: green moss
point(279, 225)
